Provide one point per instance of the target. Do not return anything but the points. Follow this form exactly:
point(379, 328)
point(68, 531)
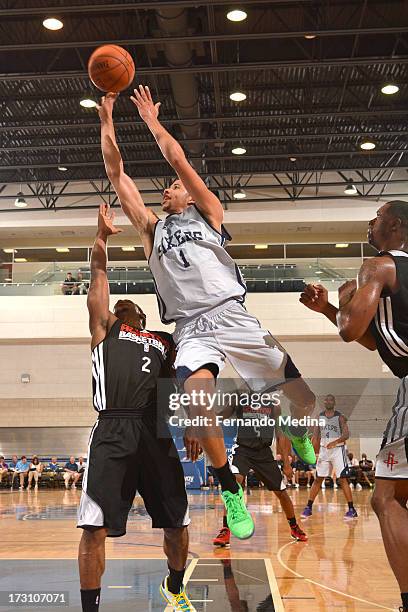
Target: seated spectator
point(22, 468)
point(36, 467)
point(13, 468)
point(354, 472)
point(303, 470)
point(81, 286)
point(367, 472)
point(68, 284)
point(81, 465)
point(3, 469)
point(53, 466)
point(71, 473)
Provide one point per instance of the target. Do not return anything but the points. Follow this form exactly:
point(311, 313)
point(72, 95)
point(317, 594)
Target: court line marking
point(324, 586)
point(273, 585)
point(203, 579)
point(248, 575)
point(119, 587)
point(187, 575)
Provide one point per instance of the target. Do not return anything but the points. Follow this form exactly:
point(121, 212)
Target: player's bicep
point(344, 427)
point(205, 200)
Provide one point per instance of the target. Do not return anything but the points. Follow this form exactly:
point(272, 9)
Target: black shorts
point(125, 456)
point(262, 462)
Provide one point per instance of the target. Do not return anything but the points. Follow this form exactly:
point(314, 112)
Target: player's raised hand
point(105, 108)
point(106, 219)
point(192, 444)
point(315, 297)
point(143, 101)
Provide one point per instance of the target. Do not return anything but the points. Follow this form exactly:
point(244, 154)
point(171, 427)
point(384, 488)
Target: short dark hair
point(1, 457)
point(23, 457)
point(399, 210)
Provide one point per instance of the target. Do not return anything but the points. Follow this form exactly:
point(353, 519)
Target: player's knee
point(174, 534)
point(92, 539)
point(380, 501)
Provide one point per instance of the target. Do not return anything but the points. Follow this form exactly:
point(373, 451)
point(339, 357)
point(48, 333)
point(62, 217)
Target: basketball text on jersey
point(140, 337)
point(180, 237)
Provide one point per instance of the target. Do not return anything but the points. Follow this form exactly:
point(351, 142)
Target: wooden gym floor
point(342, 567)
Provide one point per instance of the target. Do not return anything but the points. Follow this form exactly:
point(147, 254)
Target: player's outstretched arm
point(141, 217)
point(315, 297)
point(100, 319)
point(205, 200)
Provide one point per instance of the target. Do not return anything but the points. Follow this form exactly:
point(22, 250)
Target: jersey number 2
point(146, 362)
point(186, 263)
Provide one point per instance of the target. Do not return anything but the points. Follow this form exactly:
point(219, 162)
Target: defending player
point(125, 454)
point(331, 437)
point(252, 451)
point(374, 312)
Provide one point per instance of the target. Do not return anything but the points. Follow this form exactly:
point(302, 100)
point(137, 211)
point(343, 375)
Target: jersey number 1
point(186, 263)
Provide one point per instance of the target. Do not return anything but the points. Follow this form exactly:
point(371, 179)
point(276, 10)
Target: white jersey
point(331, 430)
point(192, 271)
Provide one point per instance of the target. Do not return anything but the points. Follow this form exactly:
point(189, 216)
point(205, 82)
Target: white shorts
point(392, 460)
point(332, 459)
point(229, 332)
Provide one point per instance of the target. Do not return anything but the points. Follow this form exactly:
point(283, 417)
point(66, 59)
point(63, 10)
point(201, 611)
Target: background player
point(124, 452)
point(374, 312)
point(200, 287)
point(252, 451)
point(331, 438)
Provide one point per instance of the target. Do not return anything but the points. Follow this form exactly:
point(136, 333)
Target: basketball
point(111, 68)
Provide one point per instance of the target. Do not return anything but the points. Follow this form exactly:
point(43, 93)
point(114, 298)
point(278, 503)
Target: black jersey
point(126, 367)
point(390, 324)
point(254, 434)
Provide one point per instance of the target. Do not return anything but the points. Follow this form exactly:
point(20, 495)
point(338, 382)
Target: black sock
point(350, 505)
point(404, 598)
point(175, 580)
point(224, 521)
point(297, 431)
point(292, 521)
point(90, 599)
point(310, 503)
point(227, 478)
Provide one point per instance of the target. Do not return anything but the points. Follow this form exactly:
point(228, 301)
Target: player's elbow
point(113, 172)
point(347, 334)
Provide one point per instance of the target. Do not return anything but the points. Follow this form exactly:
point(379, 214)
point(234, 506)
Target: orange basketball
point(111, 68)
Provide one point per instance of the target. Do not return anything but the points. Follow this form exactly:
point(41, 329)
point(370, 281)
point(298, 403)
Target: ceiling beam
point(162, 40)
point(233, 67)
point(386, 113)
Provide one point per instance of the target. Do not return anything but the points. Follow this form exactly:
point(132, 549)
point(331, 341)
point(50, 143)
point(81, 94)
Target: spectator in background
point(81, 286)
point(53, 466)
point(68, 284)
point(3, 469)
point(71, 473)
point(354, 472)
point(367, 472)
point(81, 465)
point(22, 469)
point(36, 467)
point(13, 468)
point(303, 470)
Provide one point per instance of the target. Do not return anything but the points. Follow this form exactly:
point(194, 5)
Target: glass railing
point(280, 276)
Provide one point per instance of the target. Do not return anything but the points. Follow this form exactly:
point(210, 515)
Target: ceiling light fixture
point(237, 15)
point(238, 96)
point(239, 194)
point(62, 168)
point(20, 259)
point(52, 23)
point(87, 100)
point(261, 246)
point(367, 145)
point(292, 159)
point(9, 251)
point(62, 250)
point(238, 151)
point(350, 189)
point(389, 89)
point(342, 245)
point(310, 36)
point(20, 201)
point(128, 249)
